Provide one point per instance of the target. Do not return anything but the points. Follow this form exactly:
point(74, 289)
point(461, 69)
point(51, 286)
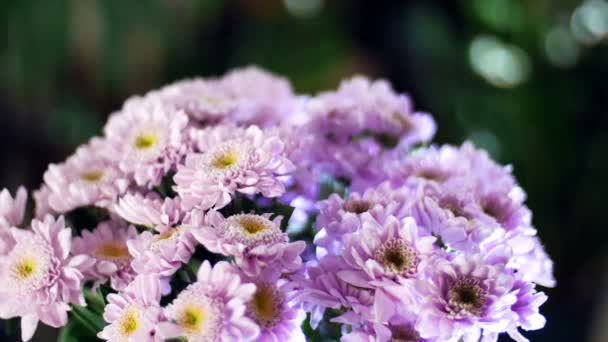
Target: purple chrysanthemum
point(39, 278)
point(213, 308)
point(392, 251)
point(357, 122)
point(323, 289)
point(84, 179)
point(232, 159)
point(150, 210)
point(133, 314)
point(255, 241)
point(204, 100)
point(273, 308)
point(466, 297)
point(107, 246)
point(146, 140)
point(263, 99)
point(162, 253)
point(338, 216)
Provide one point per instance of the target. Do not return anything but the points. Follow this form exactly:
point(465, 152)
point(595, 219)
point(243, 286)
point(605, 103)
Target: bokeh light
point(589, 22)
point(303, 8)
point(500, 64)
point(561, 47)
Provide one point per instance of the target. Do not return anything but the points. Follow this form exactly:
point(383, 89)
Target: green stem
point(84, 320)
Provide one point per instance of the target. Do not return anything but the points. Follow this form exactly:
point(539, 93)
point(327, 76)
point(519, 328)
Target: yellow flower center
point(253, 225)
point(166, 235)
point(265, 305)
point(129, 323)
point(225, 160)
point(211, 100)
point(192, 318)
point(145, 140)
point(92, 176)
point(25, 268)
point(112, 250)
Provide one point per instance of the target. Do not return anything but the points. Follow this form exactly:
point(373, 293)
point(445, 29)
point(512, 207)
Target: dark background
point(524, 79)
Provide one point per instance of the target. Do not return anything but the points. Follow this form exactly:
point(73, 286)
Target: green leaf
point(331, 185)
point(279, 209)
point(74, 331)
point(165, 188)
point(89, 320)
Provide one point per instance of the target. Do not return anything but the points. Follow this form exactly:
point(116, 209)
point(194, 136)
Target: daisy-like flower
point(381, 254)
point(107, 246)
point(338, 216)
point(466, 297)
point(255, 241)
point(163, 250)
point(453, 217)
point(133, 313)
point(430, 165)
point(162, 253)
point(263, 99)
point(85, 178)
point(39, 279)
point(232, 159)
point(274, 309)
point(360, 121)
point(150, 210)
point(322, 289)
point(204, 100)
point(213, 308)
point(147, 140)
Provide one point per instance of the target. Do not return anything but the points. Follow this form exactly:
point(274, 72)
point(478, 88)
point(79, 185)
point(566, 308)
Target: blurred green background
point(526, 80)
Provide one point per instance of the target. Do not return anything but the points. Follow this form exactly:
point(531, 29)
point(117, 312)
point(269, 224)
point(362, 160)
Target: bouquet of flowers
point(232, 209)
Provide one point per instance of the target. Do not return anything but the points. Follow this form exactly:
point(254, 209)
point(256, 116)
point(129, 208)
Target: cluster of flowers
point(209, 176)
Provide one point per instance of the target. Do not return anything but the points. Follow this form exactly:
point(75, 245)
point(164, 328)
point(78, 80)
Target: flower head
point(107, 246)
point(274, 309)
point(262, 98)
point(133, 313)
point(150, 210)
point(464, 297)
point(146, 140)
point(39, 277)
point(232, 160)
point(255, 241)
point(382, 252)
point(322, 288)
point(213, 308)
point(359, 121)
point(338, 216)
point(84, 179)
point(204, 100)
point(162, 253)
